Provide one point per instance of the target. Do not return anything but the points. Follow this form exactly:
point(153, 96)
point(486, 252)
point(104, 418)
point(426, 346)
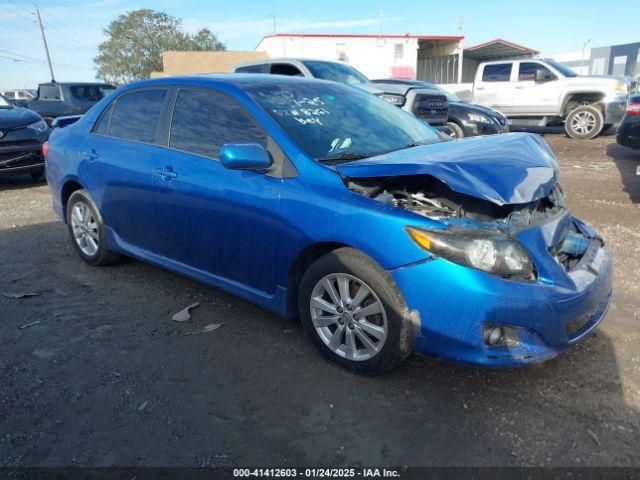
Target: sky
point(74, 29)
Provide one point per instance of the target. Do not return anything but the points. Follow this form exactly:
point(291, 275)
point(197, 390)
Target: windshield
point(566, 71)
point(451, 97)
point(332, 122)
point(336, 72)
point(4, 103)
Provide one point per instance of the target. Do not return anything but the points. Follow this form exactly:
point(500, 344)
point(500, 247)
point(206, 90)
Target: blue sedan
point(313, 199)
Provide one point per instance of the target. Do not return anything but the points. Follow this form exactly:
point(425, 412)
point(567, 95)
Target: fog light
point(494, 336)
point(500, 336)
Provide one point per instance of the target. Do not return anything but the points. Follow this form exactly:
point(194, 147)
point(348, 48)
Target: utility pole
point(584, 48)
point(46, 47)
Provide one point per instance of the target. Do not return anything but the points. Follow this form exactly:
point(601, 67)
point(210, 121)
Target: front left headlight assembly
point(39, 127)
point(486, 250)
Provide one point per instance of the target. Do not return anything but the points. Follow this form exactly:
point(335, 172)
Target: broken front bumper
point(451, 306)
point(21, 157)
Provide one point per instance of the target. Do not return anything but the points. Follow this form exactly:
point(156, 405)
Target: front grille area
point(20, 154)
point(431, 107)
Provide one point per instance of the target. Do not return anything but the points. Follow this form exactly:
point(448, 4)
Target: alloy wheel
point(348, 316)
point(583, 123)
point(85, 229)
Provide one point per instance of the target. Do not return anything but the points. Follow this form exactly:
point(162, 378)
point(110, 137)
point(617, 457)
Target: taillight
point(45, 149)
point(633, 109)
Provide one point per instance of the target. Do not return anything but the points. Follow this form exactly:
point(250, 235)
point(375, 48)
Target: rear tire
point(354, 313)
point(584, 122)
point(456, 130)
point(87, 231)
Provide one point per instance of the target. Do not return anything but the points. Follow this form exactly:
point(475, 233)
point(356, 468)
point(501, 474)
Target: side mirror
point(544, 75)
point(244, 156)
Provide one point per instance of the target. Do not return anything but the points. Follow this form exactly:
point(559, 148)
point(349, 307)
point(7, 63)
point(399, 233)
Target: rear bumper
point(629, 132)
point(451, 305)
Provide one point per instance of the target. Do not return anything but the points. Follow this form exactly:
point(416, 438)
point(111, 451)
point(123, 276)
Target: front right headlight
point(392, 98)
point(487, 250)
point(39, 127)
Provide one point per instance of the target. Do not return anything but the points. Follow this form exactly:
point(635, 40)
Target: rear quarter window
point(499, 72)
point(136, 115)
point(262, 68)
point(49, 92)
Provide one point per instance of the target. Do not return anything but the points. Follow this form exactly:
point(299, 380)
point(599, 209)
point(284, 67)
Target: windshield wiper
point(343, 157)
point(414, 144)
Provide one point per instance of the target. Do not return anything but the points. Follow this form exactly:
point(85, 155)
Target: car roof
point(238, 80)
point(284, 60)
point(78, 84)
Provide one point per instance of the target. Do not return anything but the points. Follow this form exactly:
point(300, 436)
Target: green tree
point(136, 40)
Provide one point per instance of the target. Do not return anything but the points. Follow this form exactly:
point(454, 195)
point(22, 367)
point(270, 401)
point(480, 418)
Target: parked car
point(543, 92)
point(629, 129)
point(464, 119)
point(19, 94)
point(58, 99)
point(22, 134)
point(424, 103)
point(312, 198)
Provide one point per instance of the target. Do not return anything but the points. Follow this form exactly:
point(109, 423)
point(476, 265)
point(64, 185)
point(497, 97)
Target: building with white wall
point(434, 58)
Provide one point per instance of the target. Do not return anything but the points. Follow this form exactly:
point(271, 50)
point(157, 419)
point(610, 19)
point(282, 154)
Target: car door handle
point(519, 87)
point(165, 173)
point(91, 154)
point(479, 88)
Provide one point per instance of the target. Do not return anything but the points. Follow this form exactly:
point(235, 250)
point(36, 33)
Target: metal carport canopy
point(498, 49)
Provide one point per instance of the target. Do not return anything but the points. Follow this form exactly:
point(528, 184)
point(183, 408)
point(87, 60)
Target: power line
point(18, 13)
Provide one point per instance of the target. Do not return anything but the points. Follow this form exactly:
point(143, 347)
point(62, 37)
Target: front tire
point(354, 313)
point(456, 130)
point(86, 230)
point(584, 122)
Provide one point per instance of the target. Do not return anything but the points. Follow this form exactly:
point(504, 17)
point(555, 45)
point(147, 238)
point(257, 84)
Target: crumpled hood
point(503, 169)
point(17, 117)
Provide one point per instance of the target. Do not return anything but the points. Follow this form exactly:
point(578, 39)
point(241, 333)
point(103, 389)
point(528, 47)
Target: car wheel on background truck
point(457, 132)
point(86, 230)
point(584, 122)
point(354, 312)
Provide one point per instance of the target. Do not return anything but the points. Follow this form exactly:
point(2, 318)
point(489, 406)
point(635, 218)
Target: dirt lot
point(107, 379)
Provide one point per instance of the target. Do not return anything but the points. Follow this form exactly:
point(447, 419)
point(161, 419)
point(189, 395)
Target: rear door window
point(49, 92)
point(204, 120)
point(497, 72)
point(85, 93)
point(137, 115)
point(285, 69)
point(102, 127)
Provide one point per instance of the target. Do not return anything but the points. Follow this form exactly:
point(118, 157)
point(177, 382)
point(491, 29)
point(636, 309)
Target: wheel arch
point(67, 190)
point(303, 260)
point(574, 99)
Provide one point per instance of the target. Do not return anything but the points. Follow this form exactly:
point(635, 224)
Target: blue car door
point(119, 158)
point(219, 221)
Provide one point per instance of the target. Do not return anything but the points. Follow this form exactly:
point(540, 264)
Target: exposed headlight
point(393, 98)
point(485, 250)
point(478, 117)
point(39, 127)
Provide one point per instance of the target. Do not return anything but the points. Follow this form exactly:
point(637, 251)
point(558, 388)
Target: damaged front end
point(549, 274)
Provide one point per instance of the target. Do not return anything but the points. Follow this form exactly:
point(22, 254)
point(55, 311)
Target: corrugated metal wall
point(442, 69)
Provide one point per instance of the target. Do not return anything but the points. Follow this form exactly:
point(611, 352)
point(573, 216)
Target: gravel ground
point(107, 379)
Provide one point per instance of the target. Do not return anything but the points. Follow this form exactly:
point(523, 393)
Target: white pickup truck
point(543, 92)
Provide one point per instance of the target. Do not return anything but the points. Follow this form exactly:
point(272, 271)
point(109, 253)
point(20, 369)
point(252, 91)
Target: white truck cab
point(540, 92)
